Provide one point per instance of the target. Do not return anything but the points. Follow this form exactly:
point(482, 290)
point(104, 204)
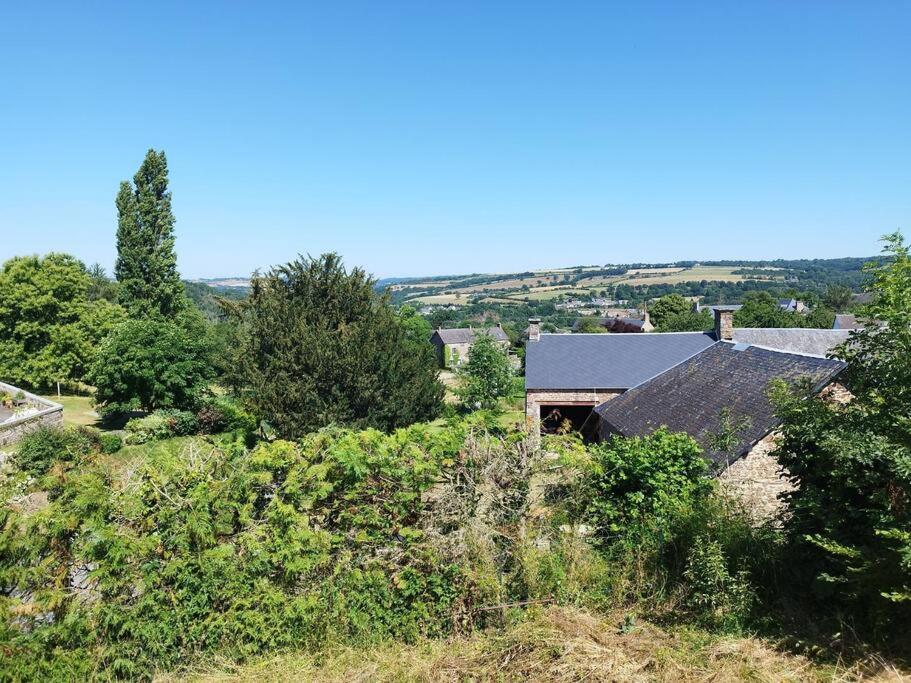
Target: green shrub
point(236, 552)
point(110, 443)
point(180, 422)
point(41, 447)
point(639, 482)
point(225, 415)
point(716, 596)
point(149, 428)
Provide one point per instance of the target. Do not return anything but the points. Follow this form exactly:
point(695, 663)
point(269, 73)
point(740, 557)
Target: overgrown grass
point(559, 644)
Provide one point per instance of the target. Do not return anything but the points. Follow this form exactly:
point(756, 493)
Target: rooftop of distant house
point(468, 335)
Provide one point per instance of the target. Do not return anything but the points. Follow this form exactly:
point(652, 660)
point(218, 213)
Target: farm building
point(711, 385)
point(567, 375)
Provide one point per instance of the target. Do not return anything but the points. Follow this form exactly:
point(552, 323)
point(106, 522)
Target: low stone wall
point(49, 413)
point(757, 479)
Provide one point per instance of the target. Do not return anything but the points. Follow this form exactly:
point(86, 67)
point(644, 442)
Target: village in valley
point(455, 342)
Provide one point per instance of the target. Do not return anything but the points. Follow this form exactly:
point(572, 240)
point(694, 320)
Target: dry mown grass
point(554, 644)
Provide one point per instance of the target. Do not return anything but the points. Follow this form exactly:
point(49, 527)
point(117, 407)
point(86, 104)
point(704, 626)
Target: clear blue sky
point(437, 137)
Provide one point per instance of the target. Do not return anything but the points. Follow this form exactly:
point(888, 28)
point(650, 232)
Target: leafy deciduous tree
point(487, 375)
point(148, 364)
point(673, 313)
point(850, 513)
point(49, 330)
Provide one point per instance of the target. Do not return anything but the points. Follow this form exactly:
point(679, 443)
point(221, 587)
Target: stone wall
point(49, 414)
point(756, 480)
point(534, 399)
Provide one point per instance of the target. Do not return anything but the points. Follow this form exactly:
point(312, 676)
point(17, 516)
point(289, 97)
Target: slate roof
point(606, 361)
point(711, 309)
point(690, 396)
point(794, 339)
point(467, 335)
point(845, 321)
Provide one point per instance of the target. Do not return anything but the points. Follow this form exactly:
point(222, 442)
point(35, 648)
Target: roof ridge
point(790, 353)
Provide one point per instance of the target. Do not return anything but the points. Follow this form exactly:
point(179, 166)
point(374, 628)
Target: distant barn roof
point(606, 361)
point(467, 335)
point(691, 396)
point(794, 339)
point(845, 321)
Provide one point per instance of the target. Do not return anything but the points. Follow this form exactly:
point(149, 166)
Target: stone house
point(703, 383)
point(453, 345)
point(720, 398)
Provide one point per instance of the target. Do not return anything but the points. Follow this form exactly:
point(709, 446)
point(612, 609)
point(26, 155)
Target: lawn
point(77, 410)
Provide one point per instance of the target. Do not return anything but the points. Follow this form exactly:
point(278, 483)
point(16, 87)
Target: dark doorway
point(560, 419)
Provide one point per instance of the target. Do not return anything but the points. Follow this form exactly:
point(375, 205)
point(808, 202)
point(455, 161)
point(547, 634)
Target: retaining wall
point(49, 413)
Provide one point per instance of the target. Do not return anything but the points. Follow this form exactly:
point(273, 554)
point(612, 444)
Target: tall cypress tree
point(146, 262)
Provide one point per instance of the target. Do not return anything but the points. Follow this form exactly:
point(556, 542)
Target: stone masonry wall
point(535, 399)
point(50, 414)
point(757, 479)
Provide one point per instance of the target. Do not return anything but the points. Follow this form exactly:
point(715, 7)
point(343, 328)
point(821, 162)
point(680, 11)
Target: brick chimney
point(534, 329)
point(724, 323)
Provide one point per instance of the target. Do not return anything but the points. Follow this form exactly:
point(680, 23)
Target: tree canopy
point(487, 375)
point(319, 346)
point(674, 313)
point(851, 464)
point(49, 329)
point(148, 364)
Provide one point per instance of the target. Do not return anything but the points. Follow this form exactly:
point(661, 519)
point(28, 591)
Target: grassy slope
point(553, 644)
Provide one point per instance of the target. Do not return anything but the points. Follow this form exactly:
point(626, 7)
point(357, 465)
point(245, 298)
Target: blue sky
point(446, 137)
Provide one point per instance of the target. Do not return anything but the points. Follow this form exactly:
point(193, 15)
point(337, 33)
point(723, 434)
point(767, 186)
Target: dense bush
point(162, 424)
point(231, 551)
point(224, 415)
point(41, 447)
point(110, 443)
point(644, 480)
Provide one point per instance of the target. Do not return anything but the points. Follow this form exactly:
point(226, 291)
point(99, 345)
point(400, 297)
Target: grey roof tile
point(794, 339)
point(690, 396)
point(606, 361)
point(467, 335)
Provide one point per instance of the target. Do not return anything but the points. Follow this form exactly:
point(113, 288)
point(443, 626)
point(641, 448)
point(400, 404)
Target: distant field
point(515, 283)
point(716, 273)
point(542, 286)
point(501, 300)
point(652, 271)
point(439, 299)
point(546, 294)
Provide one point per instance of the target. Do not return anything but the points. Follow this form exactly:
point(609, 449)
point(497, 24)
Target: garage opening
point(564, 418)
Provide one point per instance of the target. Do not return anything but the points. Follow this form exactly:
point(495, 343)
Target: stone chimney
point(724, 323)
point(534, 329)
